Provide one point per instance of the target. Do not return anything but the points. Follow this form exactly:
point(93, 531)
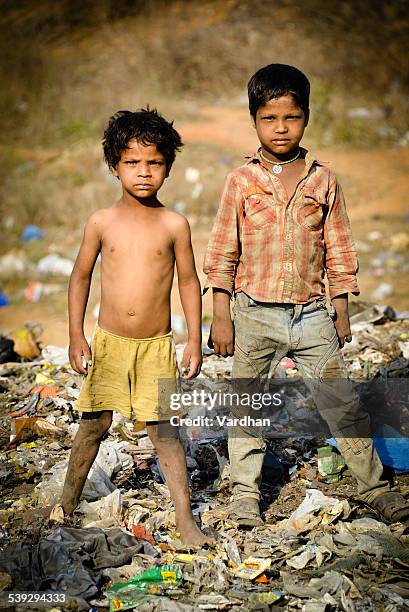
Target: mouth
point(281, 141)
point(143, 186)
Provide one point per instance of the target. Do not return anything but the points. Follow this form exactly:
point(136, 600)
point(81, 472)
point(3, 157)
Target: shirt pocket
point(259, 212)
point(311, 211)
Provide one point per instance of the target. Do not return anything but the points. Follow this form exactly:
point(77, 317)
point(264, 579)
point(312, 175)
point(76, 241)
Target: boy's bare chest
point(134, 240)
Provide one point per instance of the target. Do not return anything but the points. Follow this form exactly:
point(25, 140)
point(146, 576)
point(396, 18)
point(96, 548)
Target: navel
point(131, 313)
point(158, 252)
point(112, 249)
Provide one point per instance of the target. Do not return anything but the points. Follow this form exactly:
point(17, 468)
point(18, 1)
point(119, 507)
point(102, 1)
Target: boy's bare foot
point(190, 534)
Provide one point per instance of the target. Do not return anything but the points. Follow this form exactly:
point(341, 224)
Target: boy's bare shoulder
point(99, 218)
point(175, 222)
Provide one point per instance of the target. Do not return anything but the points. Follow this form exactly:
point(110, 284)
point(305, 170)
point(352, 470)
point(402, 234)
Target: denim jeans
point(264, 334)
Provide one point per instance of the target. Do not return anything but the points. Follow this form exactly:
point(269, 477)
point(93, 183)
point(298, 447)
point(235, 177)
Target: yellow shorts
point(130, 375)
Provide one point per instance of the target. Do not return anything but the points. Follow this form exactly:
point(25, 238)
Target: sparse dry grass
point(67, 66)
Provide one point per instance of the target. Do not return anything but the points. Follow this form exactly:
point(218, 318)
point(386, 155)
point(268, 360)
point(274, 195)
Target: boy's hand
point(79, 351)
point(343, 328)
point(341, 320)
point(222, 326)
point(223, 336)
point(192, 359)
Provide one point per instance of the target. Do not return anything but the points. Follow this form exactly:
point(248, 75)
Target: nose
point(144, 169)
point(281, 127)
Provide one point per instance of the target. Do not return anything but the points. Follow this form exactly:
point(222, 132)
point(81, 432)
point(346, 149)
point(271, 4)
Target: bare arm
point(78, 292)
point(189, 291)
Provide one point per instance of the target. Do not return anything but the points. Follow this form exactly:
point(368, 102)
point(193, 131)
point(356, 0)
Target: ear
point(307, 117)
point(253, 121)
point(115, 172)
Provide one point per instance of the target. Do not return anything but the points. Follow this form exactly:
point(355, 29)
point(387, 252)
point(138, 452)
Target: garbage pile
point(319, 549)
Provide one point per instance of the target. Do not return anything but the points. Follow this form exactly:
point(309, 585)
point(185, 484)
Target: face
point(280, 125)
point(141, 170)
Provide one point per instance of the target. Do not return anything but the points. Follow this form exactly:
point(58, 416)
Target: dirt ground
point(375, 184)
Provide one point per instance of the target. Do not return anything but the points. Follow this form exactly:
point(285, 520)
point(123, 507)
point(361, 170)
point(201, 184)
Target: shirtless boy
point(140, 241)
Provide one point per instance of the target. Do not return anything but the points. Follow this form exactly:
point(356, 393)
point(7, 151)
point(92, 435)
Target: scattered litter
point(32, 232)
point(318, 549)
point(383, 291)
point(35, 290)
point(13, 264)
point(192, 175)
point(25, 343)
point(251, 568)
point(55, 265)
point(4, 300)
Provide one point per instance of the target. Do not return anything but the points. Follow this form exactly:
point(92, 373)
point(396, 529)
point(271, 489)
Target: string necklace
point(277, 168)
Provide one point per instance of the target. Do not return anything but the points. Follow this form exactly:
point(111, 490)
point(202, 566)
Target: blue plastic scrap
point(32, 232)
point(391, 446)
point(4, 301)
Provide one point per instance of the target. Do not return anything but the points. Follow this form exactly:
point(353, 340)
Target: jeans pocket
point(245, 301)
point(356, 445)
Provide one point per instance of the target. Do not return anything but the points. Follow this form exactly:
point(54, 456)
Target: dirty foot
point(190, 534)
point(56, 514)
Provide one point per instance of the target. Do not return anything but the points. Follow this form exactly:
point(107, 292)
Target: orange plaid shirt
point(279, 250)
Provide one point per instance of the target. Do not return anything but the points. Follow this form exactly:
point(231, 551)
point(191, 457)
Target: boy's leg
point(261, 340)
point(317, 353)
point(173, 463)
point(93, 427)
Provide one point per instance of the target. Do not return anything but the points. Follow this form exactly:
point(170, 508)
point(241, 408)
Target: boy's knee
point(163, 434)
point(94, 425)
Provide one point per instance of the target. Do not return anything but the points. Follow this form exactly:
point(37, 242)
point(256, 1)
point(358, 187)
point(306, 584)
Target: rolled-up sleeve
point(223, 251)
point(341, 261)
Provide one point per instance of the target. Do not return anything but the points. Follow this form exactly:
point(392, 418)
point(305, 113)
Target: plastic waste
point(54, 265)
point(331, 464)
point(383, 291)
point(391, 446)
point(55, 355)
point(25, 343)
point(178, 324)
point(266, 599)
point(192, 175)
point(24, 428)
point(35, 290)
point(13, 264)
point(4, 300)
point(7, 352)
point(314, 500)
point(251, 568)
point(96, 513)
point(126, 595)
point(32, 232)
point(50, 488)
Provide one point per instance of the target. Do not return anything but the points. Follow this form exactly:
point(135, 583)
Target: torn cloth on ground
point(70, 559)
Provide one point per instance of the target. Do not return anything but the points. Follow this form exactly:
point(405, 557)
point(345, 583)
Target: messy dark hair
point(274, 81)
point(147, 127)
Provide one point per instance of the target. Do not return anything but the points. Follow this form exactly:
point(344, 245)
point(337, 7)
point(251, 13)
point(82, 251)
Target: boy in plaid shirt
point(281, 228)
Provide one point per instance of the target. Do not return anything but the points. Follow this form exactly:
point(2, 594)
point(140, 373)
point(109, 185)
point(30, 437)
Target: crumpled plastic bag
point(105, 512)
point(314, 500)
